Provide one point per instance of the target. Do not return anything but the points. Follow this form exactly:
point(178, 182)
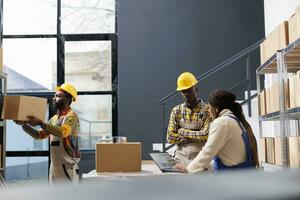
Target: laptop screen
point(163, 160)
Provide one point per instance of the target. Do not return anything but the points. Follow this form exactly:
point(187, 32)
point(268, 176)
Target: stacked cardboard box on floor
point(294, 25)
point(278, 39)
point(294, 152)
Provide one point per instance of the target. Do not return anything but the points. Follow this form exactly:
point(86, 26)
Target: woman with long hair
point(231, 143)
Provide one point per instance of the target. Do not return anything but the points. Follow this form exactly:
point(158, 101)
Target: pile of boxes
point(284, 34)
point(271, 148)
point(271, 151)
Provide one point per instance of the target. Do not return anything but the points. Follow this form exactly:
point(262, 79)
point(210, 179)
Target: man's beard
point(56, 106)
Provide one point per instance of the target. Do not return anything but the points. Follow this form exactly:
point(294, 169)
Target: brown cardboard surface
point(124, 157)
point(270, 150)
point(294, 89)
point(294, 152)
point(1, 60)
point(278, 150)
point(297, 89)
point(276, 40)
point(262, 150)
point(294, 25)
point(275, 97)
point(1, 156)
point(292, 92)
point(262, 98)
point(18, 107)
point(262, 52)
point(294, 28)
point(268, 101)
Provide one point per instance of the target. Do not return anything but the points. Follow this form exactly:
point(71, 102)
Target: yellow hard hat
point(67, 87)
point(185, 81)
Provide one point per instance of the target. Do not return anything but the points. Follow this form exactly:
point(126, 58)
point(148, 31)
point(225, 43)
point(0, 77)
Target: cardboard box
point(268, 101)
point(278, 142)
point(262, 98)
point(276, 40)
point(124, 157)
point(1, 156)
point(270, 150)
point(294, 152)
point(273, 97)
point(294, 25)
point(294, 88)
point(1, 60)
point(262, 150)
point(18, 107)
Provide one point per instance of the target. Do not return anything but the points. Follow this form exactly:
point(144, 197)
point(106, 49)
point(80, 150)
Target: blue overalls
point(218, 164)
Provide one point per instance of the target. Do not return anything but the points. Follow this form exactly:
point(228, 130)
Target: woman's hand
point(181, 168)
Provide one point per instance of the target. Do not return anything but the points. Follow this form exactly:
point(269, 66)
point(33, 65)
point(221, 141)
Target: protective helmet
point(67, 87)
point(185, 81)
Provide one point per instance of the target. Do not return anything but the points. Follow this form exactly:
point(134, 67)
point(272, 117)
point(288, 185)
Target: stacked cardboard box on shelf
point(294, 88)
point(262, 98)
point(294, 25)
point(270, 145)
point(262, 152)
point(278, 141)
point(271, 150)
point(272, 98)
point(278, 39)
point(1, 60)
point(1, 156)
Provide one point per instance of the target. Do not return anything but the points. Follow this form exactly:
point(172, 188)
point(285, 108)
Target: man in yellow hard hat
point(189, 122)
point(62, 129)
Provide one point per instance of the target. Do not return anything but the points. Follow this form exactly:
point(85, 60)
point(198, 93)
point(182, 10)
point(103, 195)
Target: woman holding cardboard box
point(62, 129)
point(231, 143)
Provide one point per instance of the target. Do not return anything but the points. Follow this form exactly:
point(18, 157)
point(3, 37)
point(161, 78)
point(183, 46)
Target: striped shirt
point(179, 135)
point(68, 131)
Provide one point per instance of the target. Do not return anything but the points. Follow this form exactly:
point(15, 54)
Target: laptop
point(164, 162)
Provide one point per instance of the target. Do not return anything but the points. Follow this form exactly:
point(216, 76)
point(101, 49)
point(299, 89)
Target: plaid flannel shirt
point(178, 135)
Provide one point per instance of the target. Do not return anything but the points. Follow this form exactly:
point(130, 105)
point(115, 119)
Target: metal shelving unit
point(3, 77)
point(281, 63)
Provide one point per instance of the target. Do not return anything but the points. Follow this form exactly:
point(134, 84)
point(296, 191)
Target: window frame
point(61, 39)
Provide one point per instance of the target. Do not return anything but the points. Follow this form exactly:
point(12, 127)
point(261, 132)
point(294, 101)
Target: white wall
point(277, 11)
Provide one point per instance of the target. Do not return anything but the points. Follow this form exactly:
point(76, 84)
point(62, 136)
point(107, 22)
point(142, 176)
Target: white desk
point(149, 168)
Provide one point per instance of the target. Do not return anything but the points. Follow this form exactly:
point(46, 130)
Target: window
point(30, 64)
point(94, 112)
point(45, 45)
point(88, 16)
point(34, 169)
point(29, 17)
point(88, 65)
